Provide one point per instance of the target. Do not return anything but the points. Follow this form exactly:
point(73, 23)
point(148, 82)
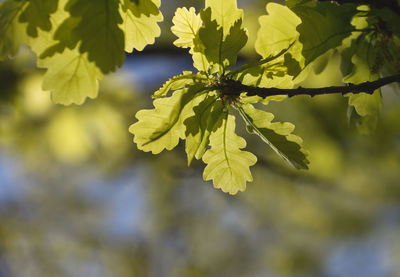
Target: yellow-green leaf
point(71, 77)
point(99, 32)
point(225, 12)
point(200, 124)
point(140, 23)
point(276, 134)
point(227, 165)
point(278, 31)
point(177, 82)
point(162, 127)
point(186, 24)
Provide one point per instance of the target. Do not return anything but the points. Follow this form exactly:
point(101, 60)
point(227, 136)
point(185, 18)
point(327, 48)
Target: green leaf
point(276, 34)
point(220, 50)
point(99, 33)
point(13, 33)
point(276, 134)
point(363, 60)
point(227, 165)
point(225, 12)
point(162, 127)
point(37, 15)
point(199, 125)
point(323, 27)
point(186, 25)
point(177, 82)
point(71, 77)
point(363, 124)
point(140, 23)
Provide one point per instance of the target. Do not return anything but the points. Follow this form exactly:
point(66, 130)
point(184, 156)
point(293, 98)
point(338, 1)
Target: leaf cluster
point(201, 108)
point(77, 41)
point(197, 107)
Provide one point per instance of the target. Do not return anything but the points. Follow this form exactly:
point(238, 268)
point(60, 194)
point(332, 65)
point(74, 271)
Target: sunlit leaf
point(227, 165)
point(71, 77)
point(200, 124)
point(277, 30)
point(99, 32)
point(218, 49)
point(185, 79)
point(323, 27)
point(186, 24)
point(366, 105)
point(225, 13)
point(276, 134)
point(162, 127)
point(140, 23)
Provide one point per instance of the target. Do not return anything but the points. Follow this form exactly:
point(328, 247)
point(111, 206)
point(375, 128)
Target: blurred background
point(78, 199)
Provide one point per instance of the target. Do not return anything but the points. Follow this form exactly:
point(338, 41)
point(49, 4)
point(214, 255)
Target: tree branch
point(232, 87)
point(379, 4)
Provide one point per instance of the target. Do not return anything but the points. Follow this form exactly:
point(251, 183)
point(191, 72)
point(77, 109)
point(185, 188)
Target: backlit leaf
point(366, 105)
point(140, 23)
point(99, 32)
point(323, 27)
point(162, 127)
point(71, 77)
point(227, 165)
point(225, 12)
point(177, 82)
point(276, 134)
point(199, 125)
point(219, 49)
point(277, 30)
point(186, 24)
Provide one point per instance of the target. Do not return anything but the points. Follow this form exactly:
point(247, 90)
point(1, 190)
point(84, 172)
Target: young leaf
point(227, 165)
point(277, 135)
point(162, 127)
point(185, 79)
point(366, 105)
point(71, 77)
point(225, 12)
point(140, 23)
point(200, 125)
point(277, 30)
point(219, 49)
point(323, 27)
point(186, 24)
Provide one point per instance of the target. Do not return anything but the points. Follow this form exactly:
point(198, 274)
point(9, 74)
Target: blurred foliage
point(77, 199)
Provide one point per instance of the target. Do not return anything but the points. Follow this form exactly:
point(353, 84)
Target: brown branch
point(235, 88)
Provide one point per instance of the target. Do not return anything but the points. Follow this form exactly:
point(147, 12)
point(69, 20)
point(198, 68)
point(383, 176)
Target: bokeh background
point(78, 199)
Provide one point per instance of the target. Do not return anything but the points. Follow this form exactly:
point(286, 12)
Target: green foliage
point(201, 113)
point(323, 26)
point(277, 135)
point(227, 165)
point(77, 41)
